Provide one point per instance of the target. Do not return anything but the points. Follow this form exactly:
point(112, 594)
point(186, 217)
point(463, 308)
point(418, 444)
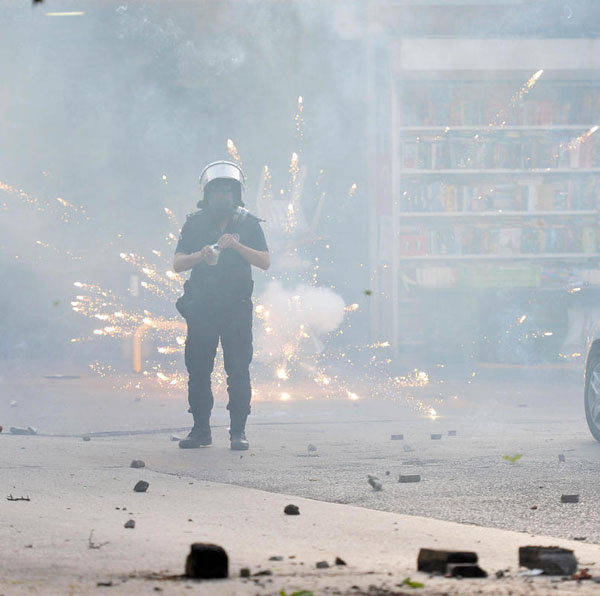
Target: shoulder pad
point(193, 215)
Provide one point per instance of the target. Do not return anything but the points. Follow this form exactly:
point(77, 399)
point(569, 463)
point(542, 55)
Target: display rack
point(491, 192)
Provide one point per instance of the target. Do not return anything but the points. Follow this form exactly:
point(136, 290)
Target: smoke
point(306, 314)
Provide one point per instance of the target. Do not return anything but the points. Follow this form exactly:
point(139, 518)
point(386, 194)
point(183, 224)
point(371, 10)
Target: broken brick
point(207, 561)
point(406, 478)
point(437, 561)
point(552, 560)
point(141, 486)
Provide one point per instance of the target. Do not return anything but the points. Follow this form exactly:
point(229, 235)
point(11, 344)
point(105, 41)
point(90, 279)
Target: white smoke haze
point(305, 315)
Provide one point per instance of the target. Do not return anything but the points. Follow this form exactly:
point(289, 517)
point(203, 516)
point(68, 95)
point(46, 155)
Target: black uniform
point(217, 304)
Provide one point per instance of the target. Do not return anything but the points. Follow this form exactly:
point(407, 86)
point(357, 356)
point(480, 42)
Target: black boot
point(199, 436)
point(237, 433)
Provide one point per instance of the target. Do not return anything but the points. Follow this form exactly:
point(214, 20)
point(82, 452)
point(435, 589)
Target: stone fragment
point(569, 499)
point(129, 524)
point(561, 457)
point(141, 486)
point(87, 438)
point(436, 436)
point(374, 482)
point(436, 561)
point(292, 510)
point(340, 562)
point(322, 565)
point(552, 560)
point(264, 572)
point(451, 433)
point(406, 478)
point(408, 449)
point(397, 437)
point(137, 463)
point(207, 561)
point(311, 448)
point(244, 572)
point(276, 558)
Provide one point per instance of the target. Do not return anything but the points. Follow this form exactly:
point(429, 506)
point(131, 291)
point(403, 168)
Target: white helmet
point(222, 170)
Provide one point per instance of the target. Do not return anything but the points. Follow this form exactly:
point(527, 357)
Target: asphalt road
point(464, 478)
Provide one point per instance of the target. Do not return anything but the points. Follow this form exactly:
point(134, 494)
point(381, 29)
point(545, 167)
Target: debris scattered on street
point(408, 449)
point(19, 430)
point(512, 458)
point(276, 558)
point(374, 482)
point(21, 498)
point(141, 486)
point(340, 562)
point(264, 572)
point(410, 583)
point(87, 438)
point(291, 510)
point(552, 560)
point(436, 436)
point(561, 457)
point(451, 433)
point(95, 545)
point(471, 571)
point(405, 478)
point(582, 574)
point(569, 499)
point(311, 448)
point(108, 584)
point(397, 437)
point(244, 572)
point(207, 561)
point(531, 572)
point(580, 538)
point(499, 574)
point(129, 524)
point(322, 565)
point(437, 561)
point(137, 463)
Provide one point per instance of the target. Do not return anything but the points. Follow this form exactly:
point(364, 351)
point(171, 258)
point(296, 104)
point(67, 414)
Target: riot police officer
point(219, 243)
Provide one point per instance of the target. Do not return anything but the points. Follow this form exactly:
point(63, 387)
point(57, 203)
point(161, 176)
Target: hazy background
point(119, 110)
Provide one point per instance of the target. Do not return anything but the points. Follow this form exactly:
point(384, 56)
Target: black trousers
point(232, 324)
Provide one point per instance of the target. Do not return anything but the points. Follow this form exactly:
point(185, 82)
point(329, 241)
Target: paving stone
point(552, 560)
point(436, 561)
point(207, 561)
point(406, 478)
point(465, 571)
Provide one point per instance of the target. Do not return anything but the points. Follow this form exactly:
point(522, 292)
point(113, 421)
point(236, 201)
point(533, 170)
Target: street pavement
point(465, 479)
